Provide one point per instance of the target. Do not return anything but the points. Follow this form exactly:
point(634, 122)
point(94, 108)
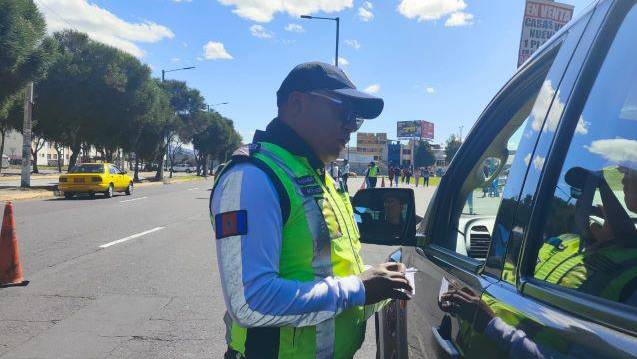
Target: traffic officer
point(288, 247)
point(373, 174)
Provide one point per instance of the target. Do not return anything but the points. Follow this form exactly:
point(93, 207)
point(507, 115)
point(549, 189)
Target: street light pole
point(163, 76)
point(338, 25)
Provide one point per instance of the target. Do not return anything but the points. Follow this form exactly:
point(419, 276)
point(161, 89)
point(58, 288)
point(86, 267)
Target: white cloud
point(365, 15)
point(216, 51)
point(175, 59)
point(287, 42)
point(199, 58)
point(368, 5)
point(354, 44)
point(372, 89)
point(264, 10)
point(582, 126)
point(294, 28)
point(527, 159)
point(342, 61)
point(102, 25)
point(459, 19)
point(538, 162)
point(430, 90)
point(618, 150)
point(260, 32)
point(429, 10)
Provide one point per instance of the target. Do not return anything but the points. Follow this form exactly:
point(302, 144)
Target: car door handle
point(445, 344)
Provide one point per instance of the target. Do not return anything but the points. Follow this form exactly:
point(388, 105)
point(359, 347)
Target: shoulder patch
point(311, 190)
point(305, 180)
point(230, 224)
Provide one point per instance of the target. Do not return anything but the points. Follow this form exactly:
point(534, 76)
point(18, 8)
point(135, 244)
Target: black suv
point(529, 245)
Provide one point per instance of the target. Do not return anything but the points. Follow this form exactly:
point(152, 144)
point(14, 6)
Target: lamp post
point(338, 22)
point(163, 75)
point(217, 104)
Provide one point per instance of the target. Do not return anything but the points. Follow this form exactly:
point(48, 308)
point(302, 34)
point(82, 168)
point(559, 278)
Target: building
point(372, 144)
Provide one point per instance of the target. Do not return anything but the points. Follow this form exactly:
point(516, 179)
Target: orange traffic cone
point(382, 182)
point(10, 268)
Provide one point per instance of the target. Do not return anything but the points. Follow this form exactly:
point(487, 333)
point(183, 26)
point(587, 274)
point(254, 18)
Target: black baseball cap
point(319, 76)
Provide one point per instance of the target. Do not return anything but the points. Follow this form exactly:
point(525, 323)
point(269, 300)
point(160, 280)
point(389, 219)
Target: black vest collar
point(282, 135)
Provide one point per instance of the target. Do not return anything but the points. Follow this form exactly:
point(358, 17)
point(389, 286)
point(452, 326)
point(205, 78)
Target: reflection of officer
point(287, 244)
point(603, 264)
point(394, 212)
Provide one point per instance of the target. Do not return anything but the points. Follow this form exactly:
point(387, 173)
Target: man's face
point(630, 187)
point(327, 126)
point(393, 209)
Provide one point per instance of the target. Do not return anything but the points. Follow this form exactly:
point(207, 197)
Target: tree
point(24, 55)
point(187, 104)
point(217, 142)
point(451, 147)
point(424, 156)
point(24, 52)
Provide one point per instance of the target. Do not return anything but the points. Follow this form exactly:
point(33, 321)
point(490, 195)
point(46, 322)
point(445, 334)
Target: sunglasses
point(350, 120)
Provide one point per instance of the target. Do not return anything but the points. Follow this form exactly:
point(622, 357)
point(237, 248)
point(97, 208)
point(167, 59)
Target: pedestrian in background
point(425, 175)
point(408, 175)
point(417, 175)
point(373, 174)
point(292, 291)
point(396, 175)
point(390, 175)
point(345, 175)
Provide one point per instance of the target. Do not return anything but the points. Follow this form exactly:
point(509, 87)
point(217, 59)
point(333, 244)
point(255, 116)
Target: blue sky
point(435, 60)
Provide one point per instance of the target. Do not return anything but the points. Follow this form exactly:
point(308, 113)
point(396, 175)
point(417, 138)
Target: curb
point(29, 194)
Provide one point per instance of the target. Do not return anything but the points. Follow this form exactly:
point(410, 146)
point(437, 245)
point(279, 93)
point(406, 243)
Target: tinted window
point(589, 242)
point(114, 170)
point(485, 182)
point(88, 168)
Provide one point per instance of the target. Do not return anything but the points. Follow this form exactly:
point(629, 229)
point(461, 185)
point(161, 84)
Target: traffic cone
point(382, 182)
point(10, 268)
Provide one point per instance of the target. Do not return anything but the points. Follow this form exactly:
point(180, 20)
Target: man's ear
point(296, 104)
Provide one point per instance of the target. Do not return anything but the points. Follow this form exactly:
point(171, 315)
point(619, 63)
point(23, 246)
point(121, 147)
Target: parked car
point(92, 178)
point(184, 167)
point(548, 268)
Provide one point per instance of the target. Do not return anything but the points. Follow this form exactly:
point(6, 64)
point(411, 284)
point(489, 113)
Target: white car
point(184, 167)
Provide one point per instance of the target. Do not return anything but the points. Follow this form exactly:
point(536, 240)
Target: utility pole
point(25, 181)
point(461, 128)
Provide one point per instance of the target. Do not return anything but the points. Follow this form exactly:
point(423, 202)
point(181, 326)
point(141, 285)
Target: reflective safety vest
point(604, 272)
point(320, 239)
point(373, 171)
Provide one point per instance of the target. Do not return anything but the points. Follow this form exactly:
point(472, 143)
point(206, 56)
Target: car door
point(116, 177)
point(570, 275)
point(462, 243)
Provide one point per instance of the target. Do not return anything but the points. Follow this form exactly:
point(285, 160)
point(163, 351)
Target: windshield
point(88, 168)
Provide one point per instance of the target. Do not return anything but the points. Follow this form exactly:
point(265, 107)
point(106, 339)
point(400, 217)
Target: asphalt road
point(127, 277)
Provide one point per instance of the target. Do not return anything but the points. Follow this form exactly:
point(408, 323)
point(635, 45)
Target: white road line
point(131, 237)
point(192, 189)
point(131, 200)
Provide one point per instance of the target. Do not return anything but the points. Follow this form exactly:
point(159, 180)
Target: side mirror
point(386, 216)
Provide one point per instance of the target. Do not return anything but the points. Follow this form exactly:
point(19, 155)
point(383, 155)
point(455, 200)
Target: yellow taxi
point(92, 178)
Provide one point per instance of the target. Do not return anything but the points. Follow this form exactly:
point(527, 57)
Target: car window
point(114, 170)
point(485, 182)
point(589, 241)
point(88, 168)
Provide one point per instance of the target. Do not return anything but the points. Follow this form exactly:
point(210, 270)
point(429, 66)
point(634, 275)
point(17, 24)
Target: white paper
point(409, 275)
point(444, 288)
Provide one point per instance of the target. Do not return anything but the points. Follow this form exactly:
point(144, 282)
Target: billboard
point(426, 130)
point(408, 129)
point(542, 19)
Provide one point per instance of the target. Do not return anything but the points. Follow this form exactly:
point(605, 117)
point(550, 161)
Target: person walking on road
point(417, 175)
point(372, 174)
point(396, 175)
point(345, 175)
point(425, 176)
point(292, 276)
point(390, 175)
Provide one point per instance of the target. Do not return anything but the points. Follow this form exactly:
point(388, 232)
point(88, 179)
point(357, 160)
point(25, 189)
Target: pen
point(411, 270)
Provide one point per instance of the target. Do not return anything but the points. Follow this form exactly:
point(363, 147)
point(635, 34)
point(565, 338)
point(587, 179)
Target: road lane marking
point(131, 237)
point(192, 189)
point(131, 200)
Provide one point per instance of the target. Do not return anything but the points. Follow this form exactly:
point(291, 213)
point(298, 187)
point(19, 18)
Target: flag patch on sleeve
point(229, 224)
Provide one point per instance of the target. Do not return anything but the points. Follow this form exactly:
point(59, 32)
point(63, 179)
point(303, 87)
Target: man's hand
point(385, 281)
point(464, 303)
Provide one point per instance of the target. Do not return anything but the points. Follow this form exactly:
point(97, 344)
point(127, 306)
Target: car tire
point(129, 189)
point(109, 192)
point(68, 195)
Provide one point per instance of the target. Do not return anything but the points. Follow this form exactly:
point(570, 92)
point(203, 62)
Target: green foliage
point(451, 147)
point(424, 156)
point(24, 52)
